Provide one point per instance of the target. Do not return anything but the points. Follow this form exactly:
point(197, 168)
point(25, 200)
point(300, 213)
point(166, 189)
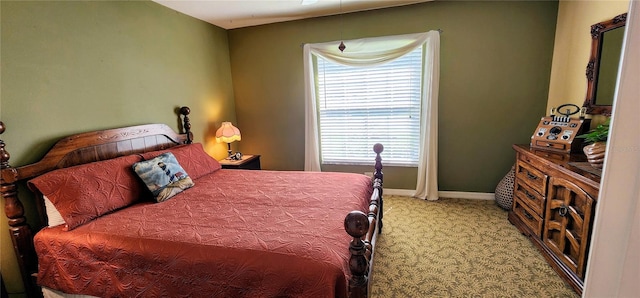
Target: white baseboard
point(467, 195)
point(399, 192)
point(445, 194)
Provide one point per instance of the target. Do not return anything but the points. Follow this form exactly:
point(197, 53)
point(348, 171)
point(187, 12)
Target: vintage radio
point(558, 132)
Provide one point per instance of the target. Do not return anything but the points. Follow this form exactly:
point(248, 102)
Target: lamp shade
point(227, 133)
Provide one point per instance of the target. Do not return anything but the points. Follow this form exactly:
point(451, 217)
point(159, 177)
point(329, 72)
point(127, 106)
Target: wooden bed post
point(357, 225)
point(364, 229)
point(378, 148)
point(20, 231)
point(185, 111)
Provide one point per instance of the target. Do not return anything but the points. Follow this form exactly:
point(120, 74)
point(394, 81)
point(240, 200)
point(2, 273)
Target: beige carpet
point(457, 248)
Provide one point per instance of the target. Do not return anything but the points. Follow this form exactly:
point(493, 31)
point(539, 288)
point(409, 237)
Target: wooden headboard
point(70, 151)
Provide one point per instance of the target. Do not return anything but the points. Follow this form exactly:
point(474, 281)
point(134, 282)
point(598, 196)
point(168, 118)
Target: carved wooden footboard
point(107, 144)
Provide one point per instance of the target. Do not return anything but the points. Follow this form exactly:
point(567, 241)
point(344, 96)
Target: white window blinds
point(361, 106)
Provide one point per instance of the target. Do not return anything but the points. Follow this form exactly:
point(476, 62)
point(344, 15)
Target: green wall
point(75, 66)
point(495, 68)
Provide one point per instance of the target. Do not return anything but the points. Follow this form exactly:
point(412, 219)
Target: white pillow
point(51, 293)
point(55, 218)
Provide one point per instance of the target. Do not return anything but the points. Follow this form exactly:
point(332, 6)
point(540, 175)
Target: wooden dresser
point(554, 200)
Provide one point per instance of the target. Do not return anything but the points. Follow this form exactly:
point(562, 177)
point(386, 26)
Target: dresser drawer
point(556, 146)
point(551, 155)
point(533, 177)
point(530, 197)
point(528, 217)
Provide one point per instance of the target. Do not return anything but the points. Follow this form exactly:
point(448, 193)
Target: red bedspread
point(236, 233)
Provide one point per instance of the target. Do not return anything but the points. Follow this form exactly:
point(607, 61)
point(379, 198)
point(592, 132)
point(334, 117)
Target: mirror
point(602, 69)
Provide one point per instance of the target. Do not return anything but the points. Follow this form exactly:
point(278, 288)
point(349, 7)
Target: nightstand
point(248, 162)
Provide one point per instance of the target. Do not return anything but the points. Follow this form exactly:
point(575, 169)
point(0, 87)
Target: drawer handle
point(563, 210)
point(527, 215)
point(531, 176)
point(530, 196)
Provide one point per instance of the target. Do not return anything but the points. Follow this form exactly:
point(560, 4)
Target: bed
point(112, 227)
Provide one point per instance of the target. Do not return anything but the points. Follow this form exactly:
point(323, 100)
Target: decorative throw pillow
point(163, 175)
point(192, 158)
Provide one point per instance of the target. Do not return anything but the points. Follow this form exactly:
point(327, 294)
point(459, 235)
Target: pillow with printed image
point(163, 176)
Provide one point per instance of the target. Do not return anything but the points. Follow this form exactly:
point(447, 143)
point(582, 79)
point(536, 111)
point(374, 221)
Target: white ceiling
point(231, 14)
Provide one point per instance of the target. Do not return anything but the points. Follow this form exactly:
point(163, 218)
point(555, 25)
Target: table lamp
point(228, 133)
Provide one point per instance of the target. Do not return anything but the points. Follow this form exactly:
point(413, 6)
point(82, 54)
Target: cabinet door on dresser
point(567, 222)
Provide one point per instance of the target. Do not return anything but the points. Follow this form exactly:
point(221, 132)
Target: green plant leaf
point(598, 134)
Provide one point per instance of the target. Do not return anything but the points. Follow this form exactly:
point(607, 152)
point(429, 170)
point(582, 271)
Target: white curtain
point(369, 52)
point(427, 184)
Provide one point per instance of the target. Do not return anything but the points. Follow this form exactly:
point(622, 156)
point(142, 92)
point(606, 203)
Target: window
point(361, 106)
point(378, 103)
